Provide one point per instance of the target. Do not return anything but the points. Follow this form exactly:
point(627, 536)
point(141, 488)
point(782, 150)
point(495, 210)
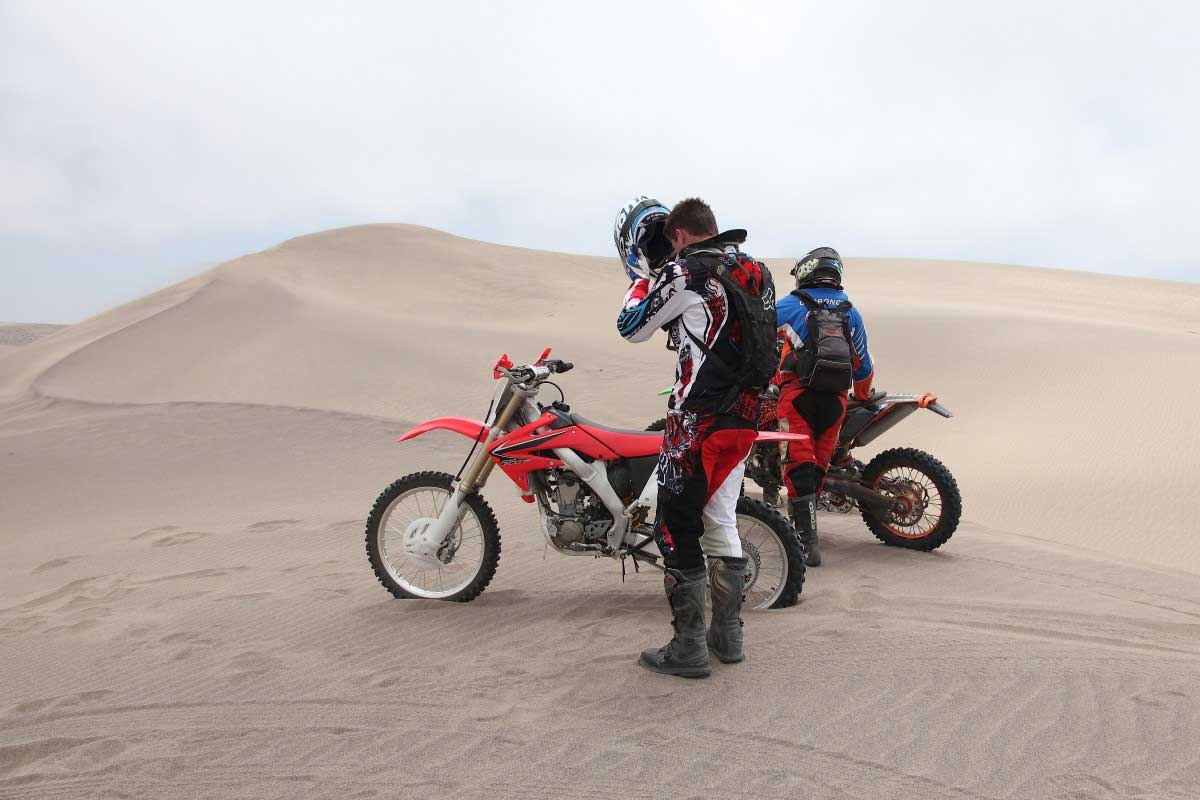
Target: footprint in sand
point(187, 537)
point(169, 535)
point(252, 662)
point(218, 572)
point(187, 637)
point(34, 705)
point(53, 564)
point(250, 596)
point(153, 532)
point(1163, 699)
point(59, 701)
point(271, 525)
point(71, 755)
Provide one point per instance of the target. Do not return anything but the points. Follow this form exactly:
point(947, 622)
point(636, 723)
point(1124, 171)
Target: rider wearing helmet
point(710, 421)
point(828, 342)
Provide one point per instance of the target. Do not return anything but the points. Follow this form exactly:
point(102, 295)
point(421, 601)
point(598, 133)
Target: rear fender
point(472, 429)
point(889, 416)
point(780, 436)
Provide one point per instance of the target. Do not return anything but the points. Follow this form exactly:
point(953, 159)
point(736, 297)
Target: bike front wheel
point(467, 559)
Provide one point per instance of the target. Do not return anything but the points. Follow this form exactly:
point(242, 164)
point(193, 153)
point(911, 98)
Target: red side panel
point(467, 427)
point(527, 440)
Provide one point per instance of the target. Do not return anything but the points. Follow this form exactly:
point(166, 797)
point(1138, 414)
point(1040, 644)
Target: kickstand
point(636, 568)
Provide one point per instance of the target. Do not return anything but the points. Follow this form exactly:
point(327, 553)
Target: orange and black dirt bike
point(906, 497)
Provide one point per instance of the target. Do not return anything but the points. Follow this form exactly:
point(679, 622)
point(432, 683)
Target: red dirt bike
point(432, 535)
point(907, 497)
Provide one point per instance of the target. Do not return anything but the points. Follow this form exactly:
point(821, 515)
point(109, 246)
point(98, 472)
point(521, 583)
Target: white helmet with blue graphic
point(639, 229)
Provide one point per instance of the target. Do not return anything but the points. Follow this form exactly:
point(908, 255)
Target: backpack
point(826, 362)
point(750, 292)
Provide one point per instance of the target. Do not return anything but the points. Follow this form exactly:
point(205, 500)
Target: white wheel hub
point(420, 545)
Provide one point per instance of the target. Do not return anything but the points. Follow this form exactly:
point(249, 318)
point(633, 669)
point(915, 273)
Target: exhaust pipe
point(876, 503)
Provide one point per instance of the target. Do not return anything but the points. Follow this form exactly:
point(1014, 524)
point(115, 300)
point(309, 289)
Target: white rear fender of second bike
point(470, 428)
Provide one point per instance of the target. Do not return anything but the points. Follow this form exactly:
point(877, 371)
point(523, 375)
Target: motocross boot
point(728, 578)
point(804, 518)
point(686, 655)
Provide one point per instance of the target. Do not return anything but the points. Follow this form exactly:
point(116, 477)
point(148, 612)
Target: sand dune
point(185, 608)
point(1071, 389)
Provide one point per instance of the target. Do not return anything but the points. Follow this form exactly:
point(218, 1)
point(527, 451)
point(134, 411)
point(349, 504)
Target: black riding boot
point(804, 518)
point(728, 579)
point(686, 654)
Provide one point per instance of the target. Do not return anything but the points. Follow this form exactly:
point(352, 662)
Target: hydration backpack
point(750, 293)
point(826, 362)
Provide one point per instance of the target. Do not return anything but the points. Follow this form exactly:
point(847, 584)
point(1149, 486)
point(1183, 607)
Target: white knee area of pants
point(720, 517)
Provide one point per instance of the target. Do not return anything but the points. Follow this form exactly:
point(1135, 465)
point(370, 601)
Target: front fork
point(427, 542)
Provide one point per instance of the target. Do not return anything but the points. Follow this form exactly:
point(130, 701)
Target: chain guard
point(834, 502)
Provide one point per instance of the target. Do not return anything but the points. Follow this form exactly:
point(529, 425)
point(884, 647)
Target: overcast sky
point(141, 141)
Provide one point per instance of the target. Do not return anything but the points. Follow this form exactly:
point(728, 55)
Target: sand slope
point(185, 608)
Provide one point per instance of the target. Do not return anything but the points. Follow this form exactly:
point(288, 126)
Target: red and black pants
point(700, 469)
point(819, 415)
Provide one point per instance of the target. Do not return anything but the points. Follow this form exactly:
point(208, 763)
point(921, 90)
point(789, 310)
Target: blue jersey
point(792, 314)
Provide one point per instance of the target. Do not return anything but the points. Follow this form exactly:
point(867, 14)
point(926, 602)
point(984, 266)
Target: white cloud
point(1059, 134)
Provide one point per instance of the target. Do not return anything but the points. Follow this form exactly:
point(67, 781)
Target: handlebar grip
point(565, 366)
point(937, 408)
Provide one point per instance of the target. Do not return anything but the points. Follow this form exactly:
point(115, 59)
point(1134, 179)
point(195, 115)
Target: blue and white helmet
point(640, 226)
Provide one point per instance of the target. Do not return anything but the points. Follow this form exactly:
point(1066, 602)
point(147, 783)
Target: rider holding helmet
point(711, 420)
point(828, 354)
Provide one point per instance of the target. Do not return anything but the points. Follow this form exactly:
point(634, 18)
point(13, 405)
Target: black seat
point(631, 444)
point(868, 403)
point(580, 419)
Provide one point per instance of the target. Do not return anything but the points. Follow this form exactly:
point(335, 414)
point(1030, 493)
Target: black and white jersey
point(685, 299)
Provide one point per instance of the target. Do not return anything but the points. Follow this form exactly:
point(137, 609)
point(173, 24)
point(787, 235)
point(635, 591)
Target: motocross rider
point(817, 410)
point(707, 436)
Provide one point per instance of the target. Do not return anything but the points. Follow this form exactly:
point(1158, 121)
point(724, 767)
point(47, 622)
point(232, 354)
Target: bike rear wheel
point(928, 492)
point(469, 556)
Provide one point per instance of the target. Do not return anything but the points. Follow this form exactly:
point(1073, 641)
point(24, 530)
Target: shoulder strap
point(721, 365)
point(730, 396)
point(807, 299)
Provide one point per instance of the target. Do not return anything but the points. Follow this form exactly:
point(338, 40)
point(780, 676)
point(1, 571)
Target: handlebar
point(536, 373)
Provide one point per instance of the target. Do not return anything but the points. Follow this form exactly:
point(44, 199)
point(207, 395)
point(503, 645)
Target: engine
point(578, 516)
